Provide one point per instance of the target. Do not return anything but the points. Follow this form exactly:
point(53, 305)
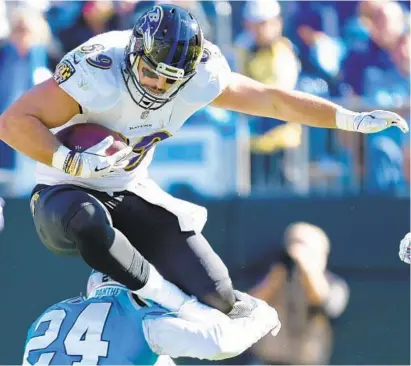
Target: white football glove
point(405, 249)
point(91, 163)
point(369, 122)
point(249, 306)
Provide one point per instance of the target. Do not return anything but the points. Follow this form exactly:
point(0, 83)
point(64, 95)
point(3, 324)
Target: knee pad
point(89, 224)
point(63, 214)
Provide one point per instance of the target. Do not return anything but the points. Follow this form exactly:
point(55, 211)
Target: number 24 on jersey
point(83, 339)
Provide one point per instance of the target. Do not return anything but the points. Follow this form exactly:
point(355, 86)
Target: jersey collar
point(107, 289)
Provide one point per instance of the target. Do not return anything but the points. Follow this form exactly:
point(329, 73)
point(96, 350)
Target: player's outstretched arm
point(25, 124)
point(248, 96)
point(215, 339)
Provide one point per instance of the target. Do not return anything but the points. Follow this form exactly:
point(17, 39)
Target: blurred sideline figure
point(307, 297)
point(262, 52)
point(111, 326)
point(405, 249)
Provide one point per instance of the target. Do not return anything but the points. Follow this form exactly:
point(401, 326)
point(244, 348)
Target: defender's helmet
point(170, 41)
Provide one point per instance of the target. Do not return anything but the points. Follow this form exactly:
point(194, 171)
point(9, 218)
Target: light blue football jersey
point(103, 330)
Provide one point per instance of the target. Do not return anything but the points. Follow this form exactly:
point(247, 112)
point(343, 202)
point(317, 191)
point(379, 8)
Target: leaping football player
point(144, 83)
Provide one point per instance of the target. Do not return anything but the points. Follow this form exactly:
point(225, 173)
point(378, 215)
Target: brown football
point(82, 136)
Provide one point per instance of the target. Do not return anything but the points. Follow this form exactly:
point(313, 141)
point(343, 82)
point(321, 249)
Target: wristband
point(344, 119)
point(66, 160)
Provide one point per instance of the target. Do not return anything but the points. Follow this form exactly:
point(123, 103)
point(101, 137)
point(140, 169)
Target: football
point(82, 136)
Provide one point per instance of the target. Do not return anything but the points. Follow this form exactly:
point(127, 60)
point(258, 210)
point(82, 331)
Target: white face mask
point(147, 71)
point(144, 97)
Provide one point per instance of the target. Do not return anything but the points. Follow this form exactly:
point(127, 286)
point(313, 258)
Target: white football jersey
point(92, 75)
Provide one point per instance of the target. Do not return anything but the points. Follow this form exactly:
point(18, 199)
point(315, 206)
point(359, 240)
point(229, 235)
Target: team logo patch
point(100, 61)
point(149, 25)
point(64, 71)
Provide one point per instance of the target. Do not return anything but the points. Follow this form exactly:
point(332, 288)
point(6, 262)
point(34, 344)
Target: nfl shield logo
point(145, 114)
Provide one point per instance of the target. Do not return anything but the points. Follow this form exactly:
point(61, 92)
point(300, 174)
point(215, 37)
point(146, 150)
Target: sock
point(162, 291)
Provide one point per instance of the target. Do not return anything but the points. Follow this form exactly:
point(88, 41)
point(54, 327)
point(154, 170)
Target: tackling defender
point(144, 83)
point(113, 327)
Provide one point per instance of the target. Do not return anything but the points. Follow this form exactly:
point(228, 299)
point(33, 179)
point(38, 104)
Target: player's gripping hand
point(369, 122)
point(91, 163)
point(405, 249)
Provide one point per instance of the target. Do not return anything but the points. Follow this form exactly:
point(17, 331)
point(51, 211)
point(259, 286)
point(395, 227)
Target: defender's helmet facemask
point(169, 40)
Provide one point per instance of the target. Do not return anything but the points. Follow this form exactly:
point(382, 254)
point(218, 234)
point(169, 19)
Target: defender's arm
point(248, 96)
point(25, 124)
point(216, 339)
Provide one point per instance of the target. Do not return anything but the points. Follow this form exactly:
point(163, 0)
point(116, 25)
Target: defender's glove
point(369, 122)
point(405, 249)
point(91, 163)
point(246, 305)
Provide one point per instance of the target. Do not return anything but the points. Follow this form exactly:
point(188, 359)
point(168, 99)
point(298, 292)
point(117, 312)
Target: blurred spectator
point(23, 55)
point(281, 137)
point(263, 50)
point(390, 87)
point(197, 9)
point(126, 13)
point(23, 63)
point(401, 55)
point(384, 166)
point(320, 49)
point(377, 57)
point(262, 53)
point(74, 22)
point(306, 295)
point(96, 17)
point(377, 70)
point(322, 56)
point(62, 14)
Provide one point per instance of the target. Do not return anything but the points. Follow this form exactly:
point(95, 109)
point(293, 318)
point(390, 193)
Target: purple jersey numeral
point(143, 146)
point(100, 61)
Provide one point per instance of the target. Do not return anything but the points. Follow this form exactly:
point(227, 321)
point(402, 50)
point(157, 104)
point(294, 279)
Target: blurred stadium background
point(255, 175)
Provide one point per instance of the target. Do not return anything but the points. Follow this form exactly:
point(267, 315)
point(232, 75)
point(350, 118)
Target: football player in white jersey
point(144, 83)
